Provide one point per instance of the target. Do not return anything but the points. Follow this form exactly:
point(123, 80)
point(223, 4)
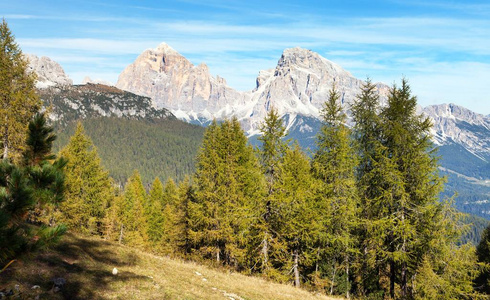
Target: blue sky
point(442, 47)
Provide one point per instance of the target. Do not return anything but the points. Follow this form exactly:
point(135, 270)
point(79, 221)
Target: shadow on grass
point(85, 264)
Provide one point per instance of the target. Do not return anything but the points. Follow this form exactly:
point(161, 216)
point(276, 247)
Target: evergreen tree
point(333, 164)
point(228, 187)
point(38, 181)
point(482, 282)
point(18, 98)
point(89, 188)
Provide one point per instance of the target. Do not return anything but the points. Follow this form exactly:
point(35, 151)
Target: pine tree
point(38, 181)
point(18, 99)
point(89, 188)
point(333, 164)
point(228, 187)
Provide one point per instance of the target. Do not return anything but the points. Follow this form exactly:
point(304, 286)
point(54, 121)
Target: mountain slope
point(127, 131)
point(86, 265)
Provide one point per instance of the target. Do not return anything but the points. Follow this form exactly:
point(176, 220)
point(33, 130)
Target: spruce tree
point(18, 99)
point(89, 188)
point(333, 164)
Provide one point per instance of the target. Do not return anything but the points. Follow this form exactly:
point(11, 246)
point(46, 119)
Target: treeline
point(360, 218)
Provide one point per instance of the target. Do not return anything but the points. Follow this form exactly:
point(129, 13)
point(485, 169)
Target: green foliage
point(482, 282)
point(132, 213)
point(296, 217)
point(18, 99)
point(228, 187)
point(154, 212)
point(36, 183)
point(89, 188)
point(159, 148)
point(271, 155)
point(333, 165)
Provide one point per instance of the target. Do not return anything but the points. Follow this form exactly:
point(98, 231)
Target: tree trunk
point(217, 254)
point(347, 295)
point(295, 268)
point(392, 279)
point(121, 234)
point(265, 252)
point(332, 282)
point(5, 140)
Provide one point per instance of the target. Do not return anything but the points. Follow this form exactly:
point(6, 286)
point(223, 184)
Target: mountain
point(173, 82)
point(128, 132)
point(297, 87)
point(73, 102)
point(49, 73)
point(458, 128)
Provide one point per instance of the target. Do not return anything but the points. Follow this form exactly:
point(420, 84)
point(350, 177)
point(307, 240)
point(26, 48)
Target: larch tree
point(18, 99)
point(296, 218)
point(228, 186)
point(333, 164)
point(89, 188)
point(482, 282)
point(154, 213)
point(131, 213)
point(271, 155)
point(372, 169)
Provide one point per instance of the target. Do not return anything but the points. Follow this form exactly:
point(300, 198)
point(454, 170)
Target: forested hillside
point(164, 148)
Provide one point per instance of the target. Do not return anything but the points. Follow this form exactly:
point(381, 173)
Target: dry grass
point(87, 263)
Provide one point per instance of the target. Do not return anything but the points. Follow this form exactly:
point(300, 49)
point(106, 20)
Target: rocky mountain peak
point(49, 73)
point(175, 83)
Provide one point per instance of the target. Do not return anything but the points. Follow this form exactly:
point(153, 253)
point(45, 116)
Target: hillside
point(86, 265)
point(128, 132)
point(161, 147)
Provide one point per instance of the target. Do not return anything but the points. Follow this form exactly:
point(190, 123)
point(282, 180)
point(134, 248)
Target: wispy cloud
point(435, 43)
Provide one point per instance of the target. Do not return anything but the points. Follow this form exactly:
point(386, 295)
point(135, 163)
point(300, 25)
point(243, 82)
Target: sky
point(441, 47)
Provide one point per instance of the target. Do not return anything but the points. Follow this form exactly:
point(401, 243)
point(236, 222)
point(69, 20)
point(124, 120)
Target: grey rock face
point(175, 83)
point(456, 124)
point(49, 73)
point(298, 85)
point(96, 100)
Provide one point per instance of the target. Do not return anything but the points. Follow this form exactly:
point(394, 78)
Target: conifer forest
point(361, 217)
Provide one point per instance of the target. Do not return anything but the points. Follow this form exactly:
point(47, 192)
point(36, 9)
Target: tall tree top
point(18, 99)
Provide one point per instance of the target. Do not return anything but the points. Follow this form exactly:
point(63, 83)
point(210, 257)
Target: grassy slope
point(87, 263)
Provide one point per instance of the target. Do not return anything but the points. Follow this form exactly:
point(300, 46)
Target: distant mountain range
point(170, 85)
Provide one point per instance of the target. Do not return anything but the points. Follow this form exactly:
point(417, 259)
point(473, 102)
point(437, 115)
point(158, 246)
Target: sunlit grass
point(87, 265)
